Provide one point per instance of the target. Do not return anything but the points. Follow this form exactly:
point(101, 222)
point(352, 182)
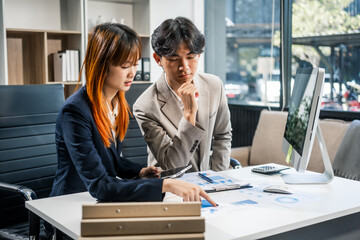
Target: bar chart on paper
point(212, 181)
point(228, 202)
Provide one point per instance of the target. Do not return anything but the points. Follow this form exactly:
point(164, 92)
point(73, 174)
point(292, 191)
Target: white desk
point(335, 200)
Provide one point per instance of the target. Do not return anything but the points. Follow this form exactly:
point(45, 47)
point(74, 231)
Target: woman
point(93, 121)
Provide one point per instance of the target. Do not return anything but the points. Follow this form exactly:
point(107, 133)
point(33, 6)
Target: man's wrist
point(191, 118)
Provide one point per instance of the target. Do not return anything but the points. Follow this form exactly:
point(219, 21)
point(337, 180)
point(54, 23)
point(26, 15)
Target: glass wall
point(326, 34)
point(253, 52)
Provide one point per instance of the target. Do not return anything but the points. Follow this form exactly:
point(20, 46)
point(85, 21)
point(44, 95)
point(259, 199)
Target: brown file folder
point(140, 209)
point(138, 226)
point(187, 236)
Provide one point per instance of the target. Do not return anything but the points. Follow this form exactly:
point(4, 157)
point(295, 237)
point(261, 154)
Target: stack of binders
point(143, 70)
point(66, 66)
point(144, 220)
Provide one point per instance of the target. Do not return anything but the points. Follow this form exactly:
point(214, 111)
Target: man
point(184, 115)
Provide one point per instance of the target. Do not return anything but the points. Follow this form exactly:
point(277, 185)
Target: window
point(326, 34)
point(252, 52)
point(323, 34)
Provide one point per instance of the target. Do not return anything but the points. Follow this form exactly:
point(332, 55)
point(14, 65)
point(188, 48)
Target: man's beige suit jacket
point(172, 140)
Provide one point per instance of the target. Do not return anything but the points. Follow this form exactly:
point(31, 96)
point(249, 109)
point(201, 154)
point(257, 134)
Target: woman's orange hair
point(112, 44)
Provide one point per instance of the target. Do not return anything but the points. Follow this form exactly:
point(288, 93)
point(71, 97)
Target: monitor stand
point(314, 178)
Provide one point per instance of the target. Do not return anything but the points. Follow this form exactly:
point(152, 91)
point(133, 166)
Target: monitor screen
point(301, 124)
point(302, 127)
point(299, 108)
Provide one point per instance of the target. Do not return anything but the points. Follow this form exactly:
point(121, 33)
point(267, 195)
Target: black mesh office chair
point(27, 153)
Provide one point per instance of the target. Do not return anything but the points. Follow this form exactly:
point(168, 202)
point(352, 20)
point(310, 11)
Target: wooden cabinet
point(29, 53)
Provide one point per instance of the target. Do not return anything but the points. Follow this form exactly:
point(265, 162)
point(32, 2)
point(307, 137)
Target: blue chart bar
point(205, 204)
point(287, 200)
point(245, 202)
point(215, 178)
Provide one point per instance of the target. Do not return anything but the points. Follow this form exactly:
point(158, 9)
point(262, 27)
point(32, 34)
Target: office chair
point(134, 146)
point(347, 159)
point(28, 158)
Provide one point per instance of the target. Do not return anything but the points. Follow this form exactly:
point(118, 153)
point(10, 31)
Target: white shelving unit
point(32, 30)
point(133, 13)
point(144, 16)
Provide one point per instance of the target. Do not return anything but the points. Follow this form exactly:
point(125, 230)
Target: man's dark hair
point(168, 36)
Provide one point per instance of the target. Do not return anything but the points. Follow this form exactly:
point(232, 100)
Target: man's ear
point(157, 59)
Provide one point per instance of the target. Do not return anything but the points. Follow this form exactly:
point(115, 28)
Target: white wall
point(34, 14)
point(161, 10)
point(109, 10)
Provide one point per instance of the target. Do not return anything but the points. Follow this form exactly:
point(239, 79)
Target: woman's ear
point(157, 59)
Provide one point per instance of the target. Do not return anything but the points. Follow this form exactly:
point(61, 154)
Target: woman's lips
point(128, 83)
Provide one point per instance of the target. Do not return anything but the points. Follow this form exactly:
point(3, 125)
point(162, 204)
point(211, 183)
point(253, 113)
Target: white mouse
point(278, 189)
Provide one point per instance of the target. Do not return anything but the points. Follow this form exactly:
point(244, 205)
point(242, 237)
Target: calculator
point(268, 169)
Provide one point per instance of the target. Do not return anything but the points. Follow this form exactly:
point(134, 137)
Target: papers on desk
point(216, 181)
point(294, 200)
point(238, 200)
point(242, 198)
point(229, 202)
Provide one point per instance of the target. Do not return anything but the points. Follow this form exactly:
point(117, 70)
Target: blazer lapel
point(119, 148)
point(203, 116)
point(171, 108)
point(114, 150)
point(203, 103)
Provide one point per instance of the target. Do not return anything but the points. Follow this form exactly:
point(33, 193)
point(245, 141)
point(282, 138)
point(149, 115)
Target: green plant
point(298, 119)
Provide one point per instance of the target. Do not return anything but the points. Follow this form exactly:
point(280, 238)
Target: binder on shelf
point(68, 65)
point(59, 67)
point(138, 75)
point(135, 226)
point(71, 53)
point(76, 65)
point(146, 69)
point(140, 209)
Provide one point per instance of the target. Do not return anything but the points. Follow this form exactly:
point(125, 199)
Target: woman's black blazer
point(85, 164)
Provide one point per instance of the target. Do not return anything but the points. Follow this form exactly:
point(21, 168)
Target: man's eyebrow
point(175, 55)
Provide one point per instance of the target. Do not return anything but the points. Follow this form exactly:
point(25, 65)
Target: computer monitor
point(302, 126)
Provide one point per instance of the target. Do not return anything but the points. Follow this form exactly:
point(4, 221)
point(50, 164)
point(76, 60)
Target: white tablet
point(175, 172)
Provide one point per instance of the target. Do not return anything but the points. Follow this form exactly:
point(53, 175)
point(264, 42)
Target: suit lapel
point(114, 150)
point(203, 102)
point(203, 115)
point(119, 148)
point(170, 108)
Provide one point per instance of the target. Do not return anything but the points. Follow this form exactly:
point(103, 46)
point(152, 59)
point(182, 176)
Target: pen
point(203, 176)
